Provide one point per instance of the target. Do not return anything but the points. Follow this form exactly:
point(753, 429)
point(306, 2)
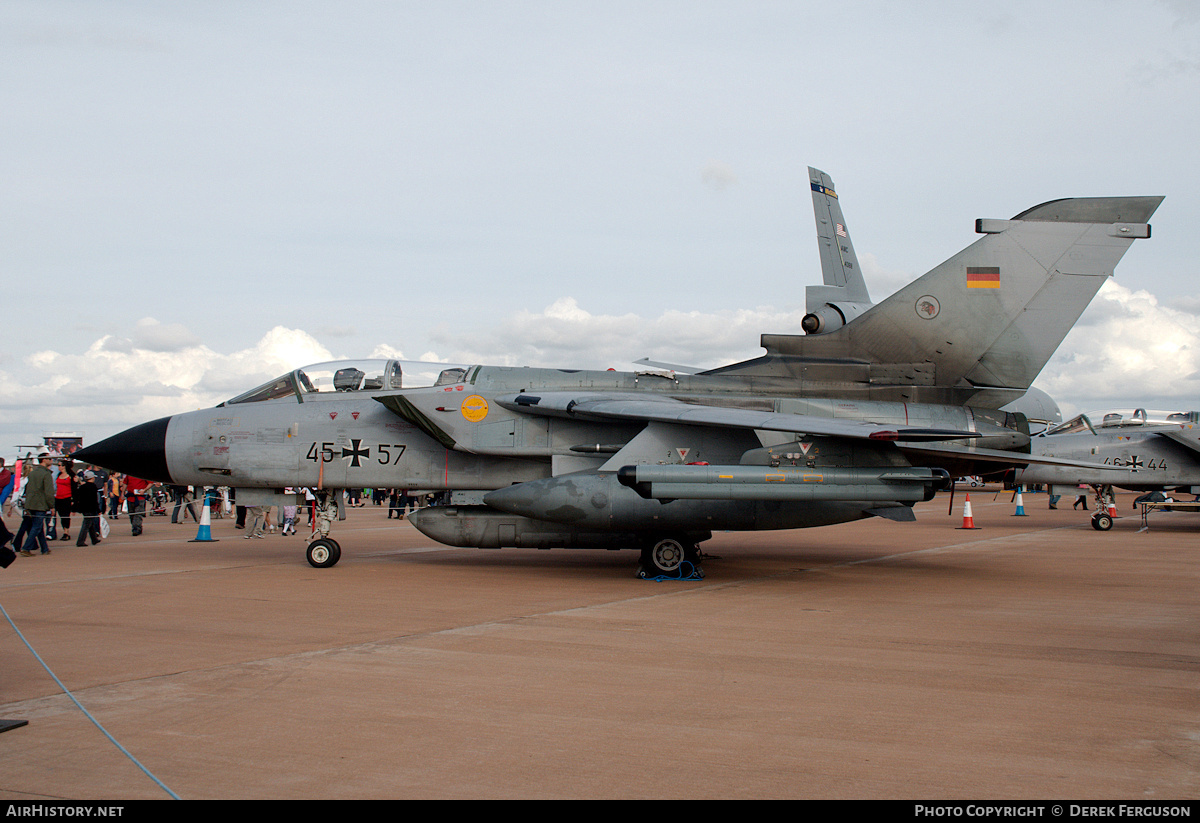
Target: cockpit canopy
point(1123, 418)
point(341, 376)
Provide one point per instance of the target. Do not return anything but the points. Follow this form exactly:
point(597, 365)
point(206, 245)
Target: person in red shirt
point(64, 492)
point(135, 498)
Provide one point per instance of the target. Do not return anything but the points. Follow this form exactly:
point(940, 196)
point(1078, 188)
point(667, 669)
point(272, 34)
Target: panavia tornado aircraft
point(871, 411)
point(1138, 450)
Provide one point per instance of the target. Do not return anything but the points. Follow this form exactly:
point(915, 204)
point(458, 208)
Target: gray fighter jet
point(862, 420)
point(1137, 450)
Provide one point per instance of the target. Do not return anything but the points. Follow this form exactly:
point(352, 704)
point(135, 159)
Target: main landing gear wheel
point(1102, 522)
point(323, 553)
point(671, 557)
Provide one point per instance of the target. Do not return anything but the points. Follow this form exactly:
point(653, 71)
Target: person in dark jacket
point(87, 503)
point(39, 502)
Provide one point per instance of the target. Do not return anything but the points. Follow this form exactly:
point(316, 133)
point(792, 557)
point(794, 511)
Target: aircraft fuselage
point(1145, 459)
point(461, 436)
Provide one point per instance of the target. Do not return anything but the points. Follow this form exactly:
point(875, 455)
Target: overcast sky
point(195, 197)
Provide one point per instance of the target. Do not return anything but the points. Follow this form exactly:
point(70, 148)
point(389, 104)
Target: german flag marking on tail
point(983, 277)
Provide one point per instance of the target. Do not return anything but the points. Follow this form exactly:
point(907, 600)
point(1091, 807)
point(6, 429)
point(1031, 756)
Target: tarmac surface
point(1033, 658)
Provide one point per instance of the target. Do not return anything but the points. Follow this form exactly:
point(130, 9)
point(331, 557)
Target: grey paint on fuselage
point(338, 442)
point(1139, 458)
point(534, 456)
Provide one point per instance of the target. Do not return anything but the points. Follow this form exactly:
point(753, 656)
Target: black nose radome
point(140, 451)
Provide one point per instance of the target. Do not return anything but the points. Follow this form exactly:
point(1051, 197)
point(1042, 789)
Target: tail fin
point(981, 325)
point(844, 295)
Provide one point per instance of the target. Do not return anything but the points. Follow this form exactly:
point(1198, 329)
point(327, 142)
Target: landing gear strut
point(1102, 521)
point(675, 558)
point(323, 551)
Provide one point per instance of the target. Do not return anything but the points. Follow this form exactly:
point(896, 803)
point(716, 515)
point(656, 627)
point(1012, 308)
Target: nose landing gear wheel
point(1102, 522)
point(323, 553)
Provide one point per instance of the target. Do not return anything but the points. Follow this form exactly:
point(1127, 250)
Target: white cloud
point(718, 176)
point(384, 350)
point(162, 370)
point(1127, 350)
point(566, 335)
point(155, 336)
point(882, 282)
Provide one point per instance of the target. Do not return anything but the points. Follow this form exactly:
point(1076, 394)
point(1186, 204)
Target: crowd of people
point(51, 490)
point(263, 519)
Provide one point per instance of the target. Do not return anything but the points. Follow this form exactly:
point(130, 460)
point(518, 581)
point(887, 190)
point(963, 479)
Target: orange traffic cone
point(968, 520)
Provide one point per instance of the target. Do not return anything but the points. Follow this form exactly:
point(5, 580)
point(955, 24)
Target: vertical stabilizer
point(844, 293)
point(980, 326)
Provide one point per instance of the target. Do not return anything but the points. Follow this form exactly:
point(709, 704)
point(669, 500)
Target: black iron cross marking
point(1134, 463)
point(354, 452)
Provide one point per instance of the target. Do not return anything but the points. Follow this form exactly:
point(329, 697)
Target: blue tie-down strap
point(687, 571)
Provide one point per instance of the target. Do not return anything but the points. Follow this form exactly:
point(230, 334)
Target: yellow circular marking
point(474, 408)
